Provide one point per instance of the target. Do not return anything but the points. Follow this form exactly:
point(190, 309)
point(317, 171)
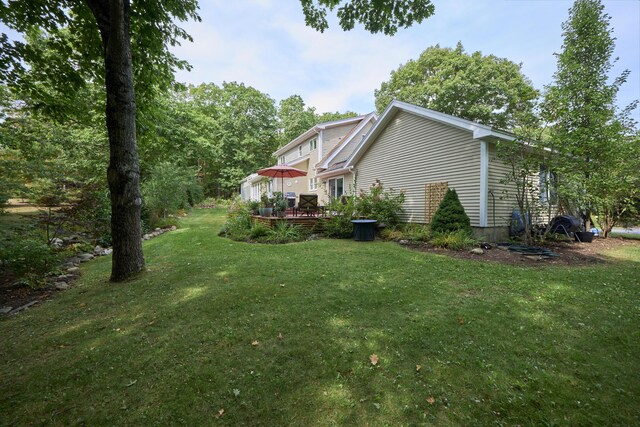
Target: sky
point(265, 44)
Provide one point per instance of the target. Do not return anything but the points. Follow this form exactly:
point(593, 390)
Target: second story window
point(313, 144)
point(299, 150)
point(281, 160)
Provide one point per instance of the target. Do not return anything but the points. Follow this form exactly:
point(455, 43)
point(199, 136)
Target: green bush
point(284, 232)
point(167, 222)
point(384, 206)
point(27, 258)
point(450, 215)
point(259, 230)
point(392, 233)
point(91, 211)
point(417, 232)
point(454, 240)
point(238, 225)
point(168, 189)
point(338, 222)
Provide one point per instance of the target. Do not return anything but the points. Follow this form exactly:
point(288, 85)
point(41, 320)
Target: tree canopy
point(486, 89)
point(598, 148)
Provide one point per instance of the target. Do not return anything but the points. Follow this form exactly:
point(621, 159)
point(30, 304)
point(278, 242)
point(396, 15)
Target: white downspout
point(484, 182)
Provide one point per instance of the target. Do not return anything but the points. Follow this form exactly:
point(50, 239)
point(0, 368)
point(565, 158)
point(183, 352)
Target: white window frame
point(335, 179)
point(282, 160)
point(300, 150)
point(313, 184)
point(313, 144)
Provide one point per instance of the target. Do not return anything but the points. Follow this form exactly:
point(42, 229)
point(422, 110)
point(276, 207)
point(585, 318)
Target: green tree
point(330, 117)
point(596, 147)
point(93, 39)
point(486, 89)
point(294, 118)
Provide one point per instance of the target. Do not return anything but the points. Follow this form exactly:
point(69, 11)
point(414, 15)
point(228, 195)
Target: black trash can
point(364, 230)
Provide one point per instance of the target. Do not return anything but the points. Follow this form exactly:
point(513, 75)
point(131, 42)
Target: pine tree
point(450, 215)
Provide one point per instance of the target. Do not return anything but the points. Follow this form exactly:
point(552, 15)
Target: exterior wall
point(333, 136)
point(413, 151)
point(503, 193)
point(293, 153)
point(355, 141)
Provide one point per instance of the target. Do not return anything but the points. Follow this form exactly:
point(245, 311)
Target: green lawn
point(496, 344)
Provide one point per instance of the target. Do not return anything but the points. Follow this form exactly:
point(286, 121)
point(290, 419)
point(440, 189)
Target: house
point(321, 151)
point(419, 151)
point(423, 152)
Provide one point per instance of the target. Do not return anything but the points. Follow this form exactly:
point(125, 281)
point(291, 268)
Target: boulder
point(56, 243)
point(5, 310)
point(173, 228)
point(61, 286)
point(477, 251)
point(85, 257)
point(404, 242)
point(73, 270)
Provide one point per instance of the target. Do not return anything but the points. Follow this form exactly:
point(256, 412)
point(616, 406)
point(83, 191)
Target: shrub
point(259, 230)
point(91, 211)
point(450, 215)
point(417, 232)
point(384, 206)
point(455, 240)
point(391, 233)
point(238, 225)
point(167, 222)
point(284, 232)
point(168, 189)
point(27, 258)
point(338, 222)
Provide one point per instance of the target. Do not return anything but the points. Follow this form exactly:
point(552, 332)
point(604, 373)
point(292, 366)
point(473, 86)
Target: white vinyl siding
point(413, 151)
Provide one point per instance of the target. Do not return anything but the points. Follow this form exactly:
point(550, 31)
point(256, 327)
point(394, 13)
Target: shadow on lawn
point(495, 344)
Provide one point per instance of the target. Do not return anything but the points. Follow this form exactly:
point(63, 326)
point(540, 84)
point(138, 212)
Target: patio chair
point(308, 204)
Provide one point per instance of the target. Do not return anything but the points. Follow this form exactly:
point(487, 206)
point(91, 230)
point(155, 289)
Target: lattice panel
point(433, 194)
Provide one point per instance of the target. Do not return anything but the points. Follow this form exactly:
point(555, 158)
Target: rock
point(534, 257)
point(173, 228)
point(503, 248)
point(477, 251)
point(56, 243)
point(85, 257)
point(73, 270)
point(157, 229)
point(5, 310)
point(61, 286)
point(107, 251)
point(98, 250)
point(74, 261)
point(404, 242)
point(146, 237)
point(65, 278)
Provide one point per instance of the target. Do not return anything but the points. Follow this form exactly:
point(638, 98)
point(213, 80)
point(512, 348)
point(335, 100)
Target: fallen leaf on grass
point(236, 392)
point(280, 336)
point(225, 279)
point(220, 413)
point(131, 383)
point(460, 320)
point(418, 367)
point(374, 359)
point(255, 343)
point(431, 400)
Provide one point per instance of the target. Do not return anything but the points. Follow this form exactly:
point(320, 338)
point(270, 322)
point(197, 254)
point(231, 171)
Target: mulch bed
point(570, 253)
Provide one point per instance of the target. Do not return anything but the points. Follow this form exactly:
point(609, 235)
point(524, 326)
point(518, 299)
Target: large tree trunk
point(123, 173)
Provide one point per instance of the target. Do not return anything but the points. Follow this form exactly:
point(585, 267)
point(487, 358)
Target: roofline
point(366, 119)
point(334, 172)
point(478, 130)
point(313, 131)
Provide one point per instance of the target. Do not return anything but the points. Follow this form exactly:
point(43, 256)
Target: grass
point(496, 344)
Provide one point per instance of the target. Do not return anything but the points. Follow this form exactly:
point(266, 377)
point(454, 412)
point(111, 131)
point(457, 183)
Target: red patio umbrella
point(281, 171)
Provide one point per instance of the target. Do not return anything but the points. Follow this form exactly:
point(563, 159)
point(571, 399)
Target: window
point(313, 184)
point(548, 184)
point(281, 160)
point(313, 144)
point(336, 187)
point(299, 150)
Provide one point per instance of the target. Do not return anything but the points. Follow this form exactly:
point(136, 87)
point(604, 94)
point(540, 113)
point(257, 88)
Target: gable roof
point(478, 130)
point(314, 131)
point(343, 150)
